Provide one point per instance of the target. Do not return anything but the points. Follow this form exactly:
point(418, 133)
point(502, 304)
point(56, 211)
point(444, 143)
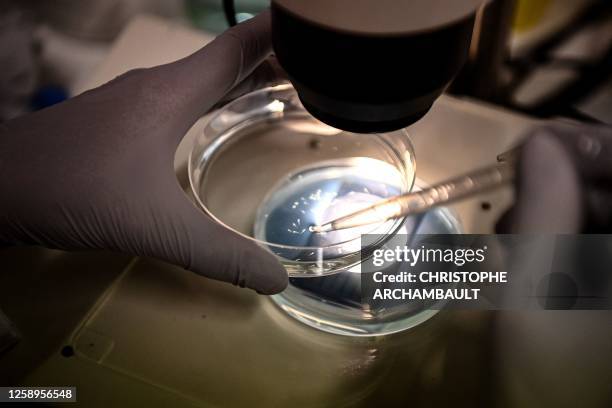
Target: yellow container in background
point(529, 13)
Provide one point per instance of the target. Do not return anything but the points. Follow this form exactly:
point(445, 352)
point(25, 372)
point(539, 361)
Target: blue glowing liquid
point(316, 195)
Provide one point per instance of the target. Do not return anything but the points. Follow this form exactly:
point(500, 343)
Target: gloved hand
point(564, 185)
point(564, 181)
point(97, 170)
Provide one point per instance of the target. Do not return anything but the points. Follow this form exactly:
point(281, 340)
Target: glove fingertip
point(266, 275)
point(548, 187)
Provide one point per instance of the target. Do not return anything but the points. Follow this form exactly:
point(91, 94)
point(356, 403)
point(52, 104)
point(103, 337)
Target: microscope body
point(371, 65)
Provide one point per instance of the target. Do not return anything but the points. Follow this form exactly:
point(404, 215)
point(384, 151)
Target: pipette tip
point(319, 229)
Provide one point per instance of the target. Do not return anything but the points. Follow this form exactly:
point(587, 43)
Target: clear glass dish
point(266, 169)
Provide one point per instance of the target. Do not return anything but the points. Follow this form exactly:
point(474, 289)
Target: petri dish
point(266, 169)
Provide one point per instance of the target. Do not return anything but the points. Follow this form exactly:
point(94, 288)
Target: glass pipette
point(421, 201)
